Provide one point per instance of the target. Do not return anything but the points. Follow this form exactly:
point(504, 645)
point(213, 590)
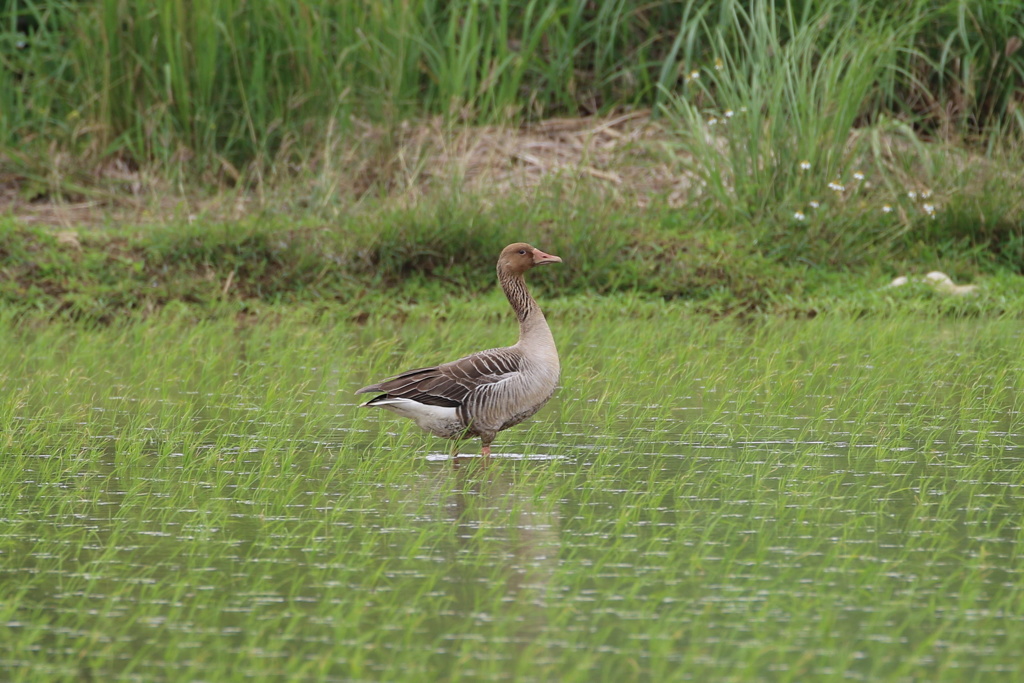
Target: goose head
point(518, 258)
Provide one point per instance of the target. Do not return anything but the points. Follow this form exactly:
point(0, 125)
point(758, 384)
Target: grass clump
point(778, 96)
point(794, 114)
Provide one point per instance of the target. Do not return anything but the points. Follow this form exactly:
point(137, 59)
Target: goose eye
point(523, 252)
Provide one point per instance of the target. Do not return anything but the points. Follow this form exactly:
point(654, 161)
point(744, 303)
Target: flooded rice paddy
point(781, 501)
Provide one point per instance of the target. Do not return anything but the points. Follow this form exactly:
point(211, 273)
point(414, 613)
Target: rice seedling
point(799, 500)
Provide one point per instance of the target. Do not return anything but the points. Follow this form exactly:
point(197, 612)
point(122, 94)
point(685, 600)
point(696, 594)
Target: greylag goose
point(488, 391)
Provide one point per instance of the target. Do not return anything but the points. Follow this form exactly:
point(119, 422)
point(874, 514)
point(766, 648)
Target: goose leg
point(485, 445)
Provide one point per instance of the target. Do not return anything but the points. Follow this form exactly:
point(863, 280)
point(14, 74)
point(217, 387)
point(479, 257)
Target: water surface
point(800, 501)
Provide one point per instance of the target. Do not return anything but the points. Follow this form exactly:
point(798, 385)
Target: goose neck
point(518, 295)
point(531, 319)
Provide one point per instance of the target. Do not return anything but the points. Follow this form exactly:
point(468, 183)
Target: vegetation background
point(787, 156)
point(220, 217)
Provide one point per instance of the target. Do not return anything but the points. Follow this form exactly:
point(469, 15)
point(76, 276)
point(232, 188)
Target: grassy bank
point(741, 157)
point(383, 258)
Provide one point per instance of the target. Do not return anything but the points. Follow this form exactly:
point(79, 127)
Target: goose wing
point(451, 383)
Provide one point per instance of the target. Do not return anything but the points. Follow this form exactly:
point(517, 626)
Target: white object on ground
point(939, 281)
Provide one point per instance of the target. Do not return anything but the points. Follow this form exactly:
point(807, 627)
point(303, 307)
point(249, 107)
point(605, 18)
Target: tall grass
point(967, 70)
point(233, 88)
point(235, 84)
point(767, 114)
point(794, 110)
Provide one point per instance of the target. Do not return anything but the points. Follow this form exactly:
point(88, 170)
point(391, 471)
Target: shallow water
point(745, 507)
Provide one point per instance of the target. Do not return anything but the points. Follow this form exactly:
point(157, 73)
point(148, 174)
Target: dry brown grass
point(624, 154)
point(629, 158)
point(625, 157)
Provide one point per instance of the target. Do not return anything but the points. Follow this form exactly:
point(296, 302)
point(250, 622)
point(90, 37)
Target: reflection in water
point(497, 535)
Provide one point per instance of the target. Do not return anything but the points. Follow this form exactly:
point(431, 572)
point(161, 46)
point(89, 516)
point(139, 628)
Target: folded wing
point(452, 383)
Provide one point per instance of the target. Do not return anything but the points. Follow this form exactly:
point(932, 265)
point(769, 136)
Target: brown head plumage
point(520, 257)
